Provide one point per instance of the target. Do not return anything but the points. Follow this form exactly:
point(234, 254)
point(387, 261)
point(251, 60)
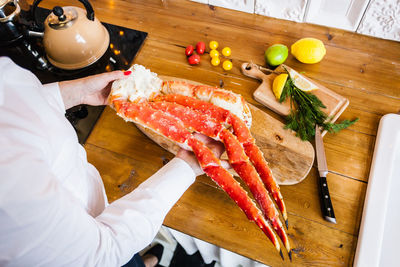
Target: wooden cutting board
point(290, 159)
point(335, 103)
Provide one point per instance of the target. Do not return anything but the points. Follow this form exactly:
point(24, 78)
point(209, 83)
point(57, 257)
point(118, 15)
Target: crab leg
point(240, 163)
point(237, 158)
point(257, 158)
point(225, 180)
point(244, 136)
point(173, 128)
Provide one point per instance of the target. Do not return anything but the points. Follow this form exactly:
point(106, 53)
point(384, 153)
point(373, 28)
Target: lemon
point(308, 50)
point(278, 84)
point(300, 82)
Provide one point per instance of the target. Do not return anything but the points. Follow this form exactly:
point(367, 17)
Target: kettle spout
point(35, 34)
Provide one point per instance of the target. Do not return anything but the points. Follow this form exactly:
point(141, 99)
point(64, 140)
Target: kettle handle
point(88, 7)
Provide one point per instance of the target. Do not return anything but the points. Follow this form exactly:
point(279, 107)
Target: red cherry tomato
point(200, 48)
point(189, 50)
point(194, 59)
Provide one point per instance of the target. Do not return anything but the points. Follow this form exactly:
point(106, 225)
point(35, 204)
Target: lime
point(278, 85)
point(276, 54)
point(308, 50)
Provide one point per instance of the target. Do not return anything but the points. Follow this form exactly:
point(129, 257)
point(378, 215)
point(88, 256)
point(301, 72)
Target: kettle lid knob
point(62, 18)
point(59, 12)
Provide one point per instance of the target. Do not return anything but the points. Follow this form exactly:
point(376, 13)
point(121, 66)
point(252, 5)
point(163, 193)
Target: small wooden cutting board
point(335, 103)
point(289, 158)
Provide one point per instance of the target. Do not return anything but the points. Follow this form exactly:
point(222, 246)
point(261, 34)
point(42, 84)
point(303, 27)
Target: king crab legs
point(173, 111)
point(244, 136)
point(143, 113)
point(209, 126)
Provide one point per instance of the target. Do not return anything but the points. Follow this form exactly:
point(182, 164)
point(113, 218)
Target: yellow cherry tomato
point(215, 61)
point(227, 65)
point(214, 53)
point(226, 51)
point(213, 45)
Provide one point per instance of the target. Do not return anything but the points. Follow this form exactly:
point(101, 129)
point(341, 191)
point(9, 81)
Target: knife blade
point(325, 198)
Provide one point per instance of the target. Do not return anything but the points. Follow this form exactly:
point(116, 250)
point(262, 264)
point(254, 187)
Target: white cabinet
point(343, 14)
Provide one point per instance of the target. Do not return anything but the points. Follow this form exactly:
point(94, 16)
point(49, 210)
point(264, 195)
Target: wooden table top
point(365, 70)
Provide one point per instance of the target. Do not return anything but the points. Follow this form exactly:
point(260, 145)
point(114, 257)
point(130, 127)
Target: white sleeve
point(45, 225)
point(133, 221)
point(53, 96)
point(42, 223)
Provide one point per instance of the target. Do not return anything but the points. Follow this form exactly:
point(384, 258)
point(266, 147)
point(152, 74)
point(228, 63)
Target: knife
point(326, 203)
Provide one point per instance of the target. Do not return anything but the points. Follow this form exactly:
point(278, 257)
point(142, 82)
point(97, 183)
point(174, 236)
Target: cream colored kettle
point(73, 38)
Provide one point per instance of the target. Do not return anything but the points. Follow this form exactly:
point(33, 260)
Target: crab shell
point(143, 83)
point(131, 88)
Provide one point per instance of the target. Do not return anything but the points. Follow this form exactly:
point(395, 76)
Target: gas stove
point(29, 54)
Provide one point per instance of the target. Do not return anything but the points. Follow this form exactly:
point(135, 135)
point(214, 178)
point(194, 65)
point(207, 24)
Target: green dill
point(305, 112)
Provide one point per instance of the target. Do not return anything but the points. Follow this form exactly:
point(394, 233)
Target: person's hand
point(92, 90)
point(216, 147)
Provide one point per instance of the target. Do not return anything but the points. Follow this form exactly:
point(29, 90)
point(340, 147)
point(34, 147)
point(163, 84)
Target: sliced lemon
point(278, 85)
point(300, 82)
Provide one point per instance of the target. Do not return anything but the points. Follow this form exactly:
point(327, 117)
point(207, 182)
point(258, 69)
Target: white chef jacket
point(53, 209)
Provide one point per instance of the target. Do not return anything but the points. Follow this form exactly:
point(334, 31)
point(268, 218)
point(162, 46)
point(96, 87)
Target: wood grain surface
point(363, 69)
point(289, 158)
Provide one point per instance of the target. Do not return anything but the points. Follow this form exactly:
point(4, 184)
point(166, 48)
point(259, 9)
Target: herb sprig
point(305, 112)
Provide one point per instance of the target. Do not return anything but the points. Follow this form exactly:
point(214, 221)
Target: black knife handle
point(326, 203)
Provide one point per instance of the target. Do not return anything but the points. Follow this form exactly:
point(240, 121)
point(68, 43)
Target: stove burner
point(29, 54)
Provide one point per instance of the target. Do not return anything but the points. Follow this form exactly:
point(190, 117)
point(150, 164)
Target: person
point(53, 206)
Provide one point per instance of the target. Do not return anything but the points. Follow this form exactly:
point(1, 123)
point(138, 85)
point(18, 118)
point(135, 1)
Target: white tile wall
point(379, 18)
point(282, 9)
point(343, 14)
point(382, 19)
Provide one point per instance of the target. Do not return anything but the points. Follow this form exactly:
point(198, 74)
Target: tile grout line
point(363, 16)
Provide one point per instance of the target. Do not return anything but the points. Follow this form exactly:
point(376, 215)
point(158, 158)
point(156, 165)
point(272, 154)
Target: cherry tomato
point(215, 61)
point(200, 48)
point(226, 51)
point(227, 65)
point(189, 50)
point(214, 53)
point(213, 45)
point(194, 59)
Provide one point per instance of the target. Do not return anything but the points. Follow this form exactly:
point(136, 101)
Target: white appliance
point(380, 225)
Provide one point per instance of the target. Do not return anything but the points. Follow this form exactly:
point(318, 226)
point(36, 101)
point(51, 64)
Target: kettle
point(73, 38)
point(9, 28)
